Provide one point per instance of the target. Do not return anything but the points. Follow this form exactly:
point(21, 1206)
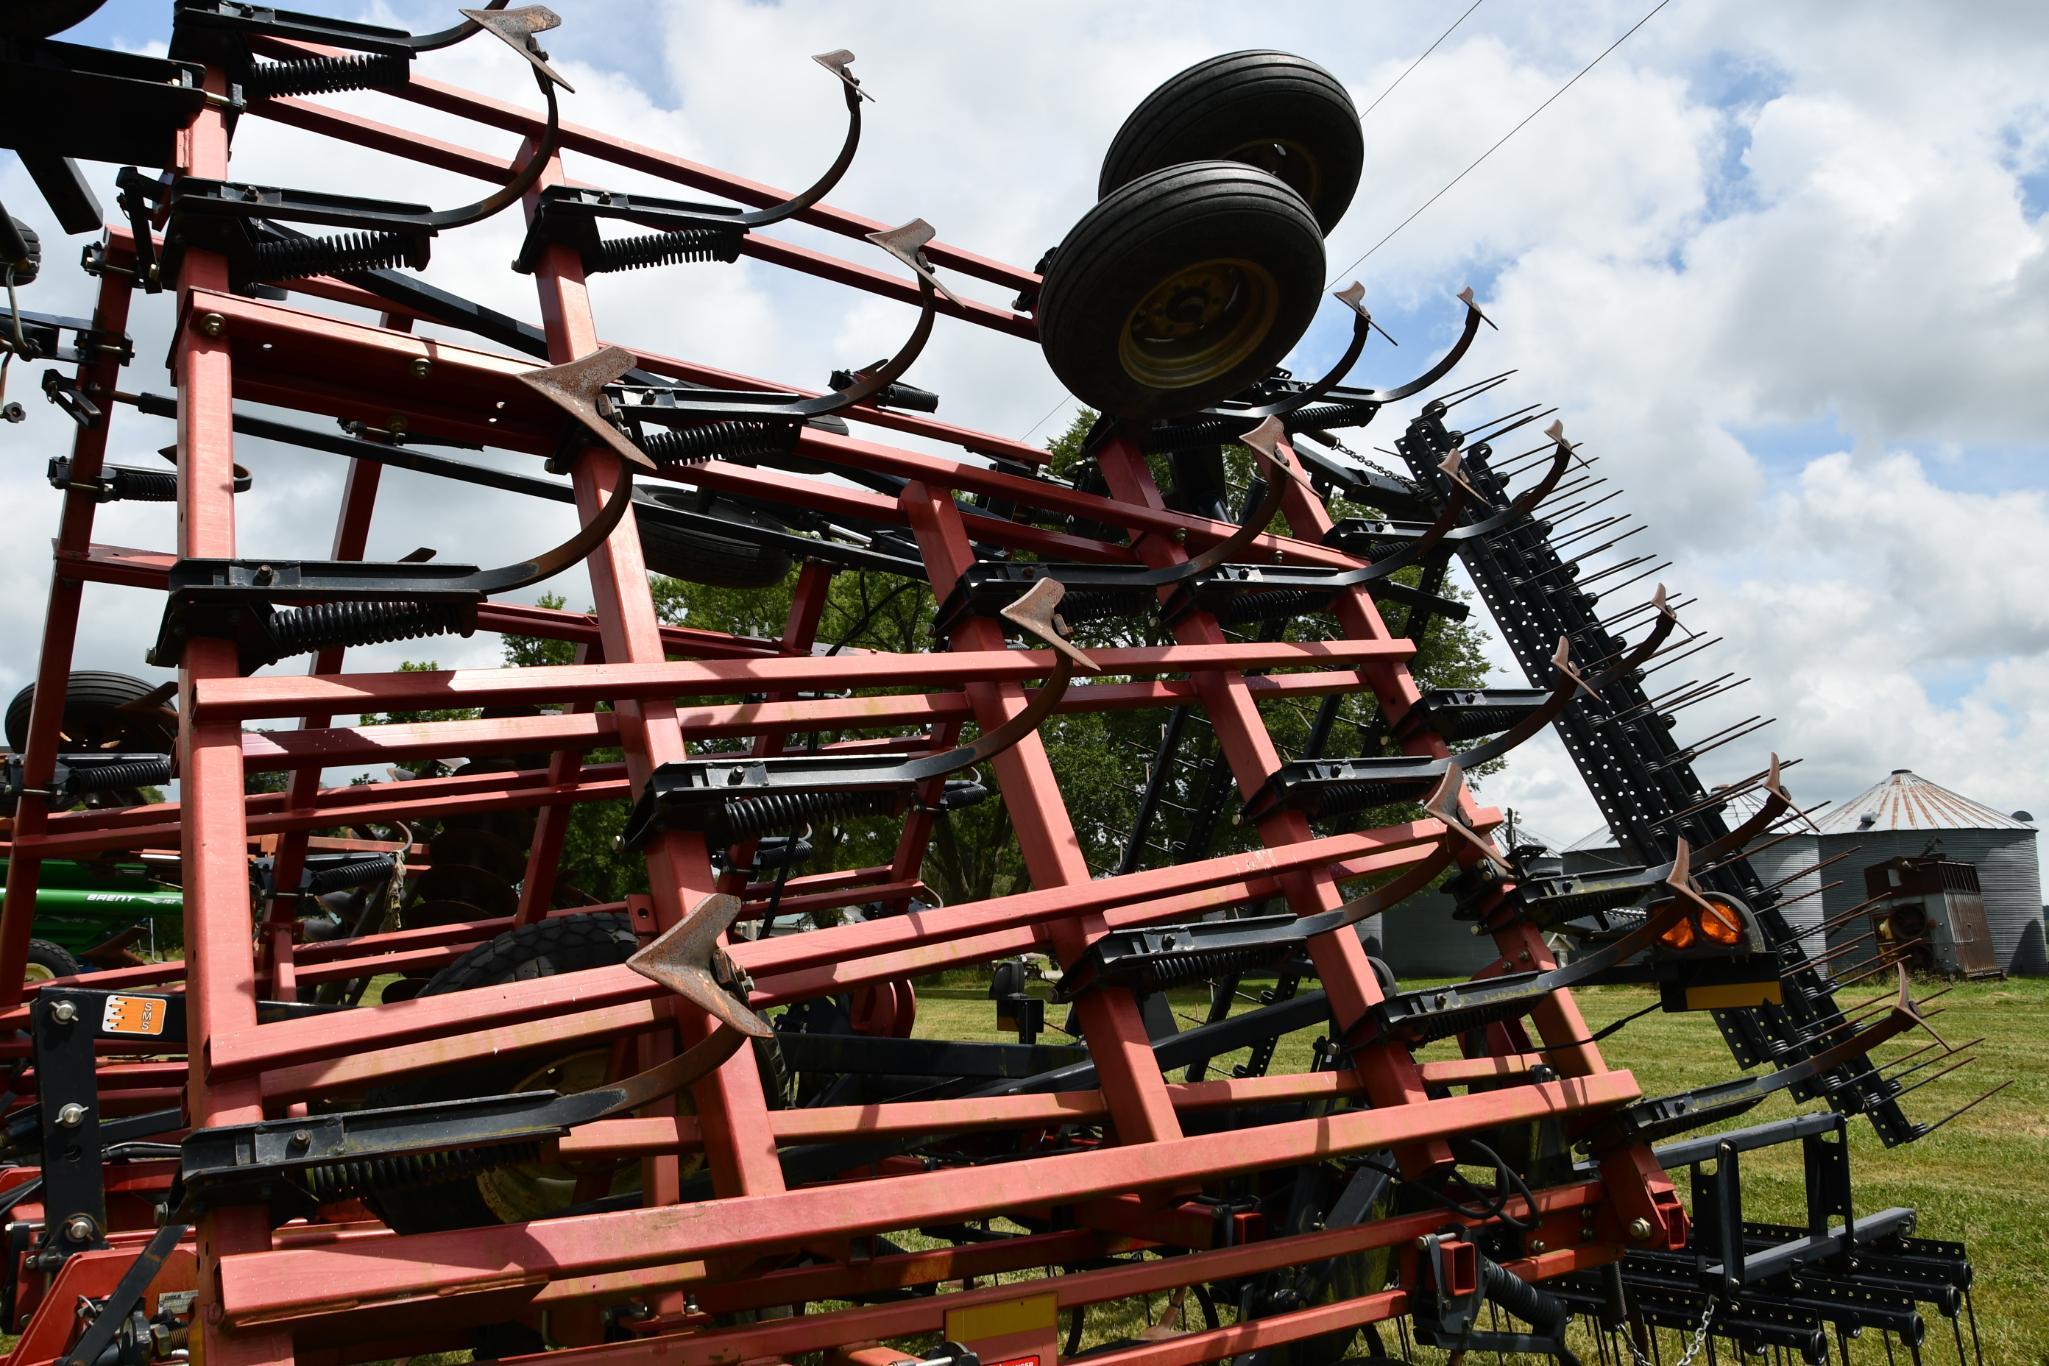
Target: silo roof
point(1907, 801)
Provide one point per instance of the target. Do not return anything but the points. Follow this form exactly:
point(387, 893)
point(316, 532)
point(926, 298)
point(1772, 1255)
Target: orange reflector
point(1677, 935)
point(1721, 923)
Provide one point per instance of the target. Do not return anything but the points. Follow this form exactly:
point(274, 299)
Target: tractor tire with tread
point(93, 719)
point(47, 960)
point(1274, 110)
point(546, 948)
point(1180, 289)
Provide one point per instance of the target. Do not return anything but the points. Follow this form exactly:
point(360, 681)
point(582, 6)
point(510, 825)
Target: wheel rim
point(520, 1191)
point(1286, 160)
point(1199, 323)
point(37, 972)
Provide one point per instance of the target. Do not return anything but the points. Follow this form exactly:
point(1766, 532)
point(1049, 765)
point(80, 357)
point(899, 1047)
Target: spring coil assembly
point(326, 75)
point(665, 249)
point(296, 257)
point(1208, 431)
point(1095, 604)
point(1288, 603)
point(1166, 971)
point(121, 777)
point(355, 873)
point(302, 630)
point(132, 483)
point(745, 817)
point(379, 1175)
point(733, 439)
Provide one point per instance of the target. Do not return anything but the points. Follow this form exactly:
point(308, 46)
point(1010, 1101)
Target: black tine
point(1954, 1067)
point(1478, 386)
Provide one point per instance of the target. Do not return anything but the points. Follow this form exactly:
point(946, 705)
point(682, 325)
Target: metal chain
point(1700, 1334)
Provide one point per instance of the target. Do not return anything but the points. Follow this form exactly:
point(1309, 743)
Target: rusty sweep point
point(1037, 611)
point(1465, 296)
point(1265, 440)
point(1443, 804)
point(907, 244)
point(516, 27)
point(681, 960)
point(1561, 660)
point(1453, 468)
point(577, 387)
point(840, 63)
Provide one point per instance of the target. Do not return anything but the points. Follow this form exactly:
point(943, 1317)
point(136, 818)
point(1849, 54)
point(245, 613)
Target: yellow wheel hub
point(1199, 323)
point(1288, 162)
point(538, 1189)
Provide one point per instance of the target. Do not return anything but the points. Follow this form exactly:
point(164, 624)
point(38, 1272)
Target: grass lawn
point(1980, 1180)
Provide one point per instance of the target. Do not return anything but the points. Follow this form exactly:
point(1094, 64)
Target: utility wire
point(1061, 403)
point(1497, 146)
point(1419, 61)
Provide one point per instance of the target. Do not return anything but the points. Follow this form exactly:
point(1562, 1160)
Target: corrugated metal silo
point(1907, 816)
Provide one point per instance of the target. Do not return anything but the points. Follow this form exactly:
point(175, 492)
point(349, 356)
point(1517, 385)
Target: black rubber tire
point(26, 269)
point(704, 556)
point(55, 959)
point(559, 944)
point(43, 18)
point(91, 715)
point(1216, 110)
point(1143, 235)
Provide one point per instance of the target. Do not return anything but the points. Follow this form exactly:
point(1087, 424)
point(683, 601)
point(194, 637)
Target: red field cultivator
point(402, 1093)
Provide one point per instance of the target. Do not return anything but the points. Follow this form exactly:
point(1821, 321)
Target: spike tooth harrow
point(1298, 1205)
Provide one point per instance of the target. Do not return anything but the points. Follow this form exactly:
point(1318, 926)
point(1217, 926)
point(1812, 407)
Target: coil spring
point(135, 484)
point(1292, 602)
point(746, 817)
point(1322, 416)
point(302, 630)
point(326, 75)
point(354, 873)
point(1178, 969)
point(733, 439)
point(1344, 798)
point(1538, 1308)
point(1208, 431)
point(121, 777)
point(665, 249)
point(1094, 604)
point(293, 258)
point(409, 1171)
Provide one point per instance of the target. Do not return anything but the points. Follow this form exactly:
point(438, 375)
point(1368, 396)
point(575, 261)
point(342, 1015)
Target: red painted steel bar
point(220, 995)
point(250, 699)
point(730, 1100)
point(95, 375)
point(296, 1283)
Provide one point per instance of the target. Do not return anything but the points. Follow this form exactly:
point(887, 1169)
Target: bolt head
point(422, 367)
point(1538, 1245)
point(79, 1229)
point(64, 1012)
point(1640, 1230)
point(71, 1115)
point(212, 324)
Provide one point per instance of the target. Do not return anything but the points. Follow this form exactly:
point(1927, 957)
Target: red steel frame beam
point(304, 1283)
point(96, 375)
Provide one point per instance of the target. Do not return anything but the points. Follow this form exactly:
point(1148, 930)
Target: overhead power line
point(1419, 61)
point(1497, 145)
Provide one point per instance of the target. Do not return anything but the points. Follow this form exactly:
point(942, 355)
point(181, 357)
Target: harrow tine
point(1928, 1129)
point(1938, 1076)
point(1453, 397)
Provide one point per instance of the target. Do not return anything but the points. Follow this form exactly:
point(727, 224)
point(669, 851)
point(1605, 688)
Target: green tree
point(1101, 758)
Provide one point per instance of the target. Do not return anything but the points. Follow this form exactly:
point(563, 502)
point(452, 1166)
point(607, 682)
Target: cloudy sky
point(1782, 267)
